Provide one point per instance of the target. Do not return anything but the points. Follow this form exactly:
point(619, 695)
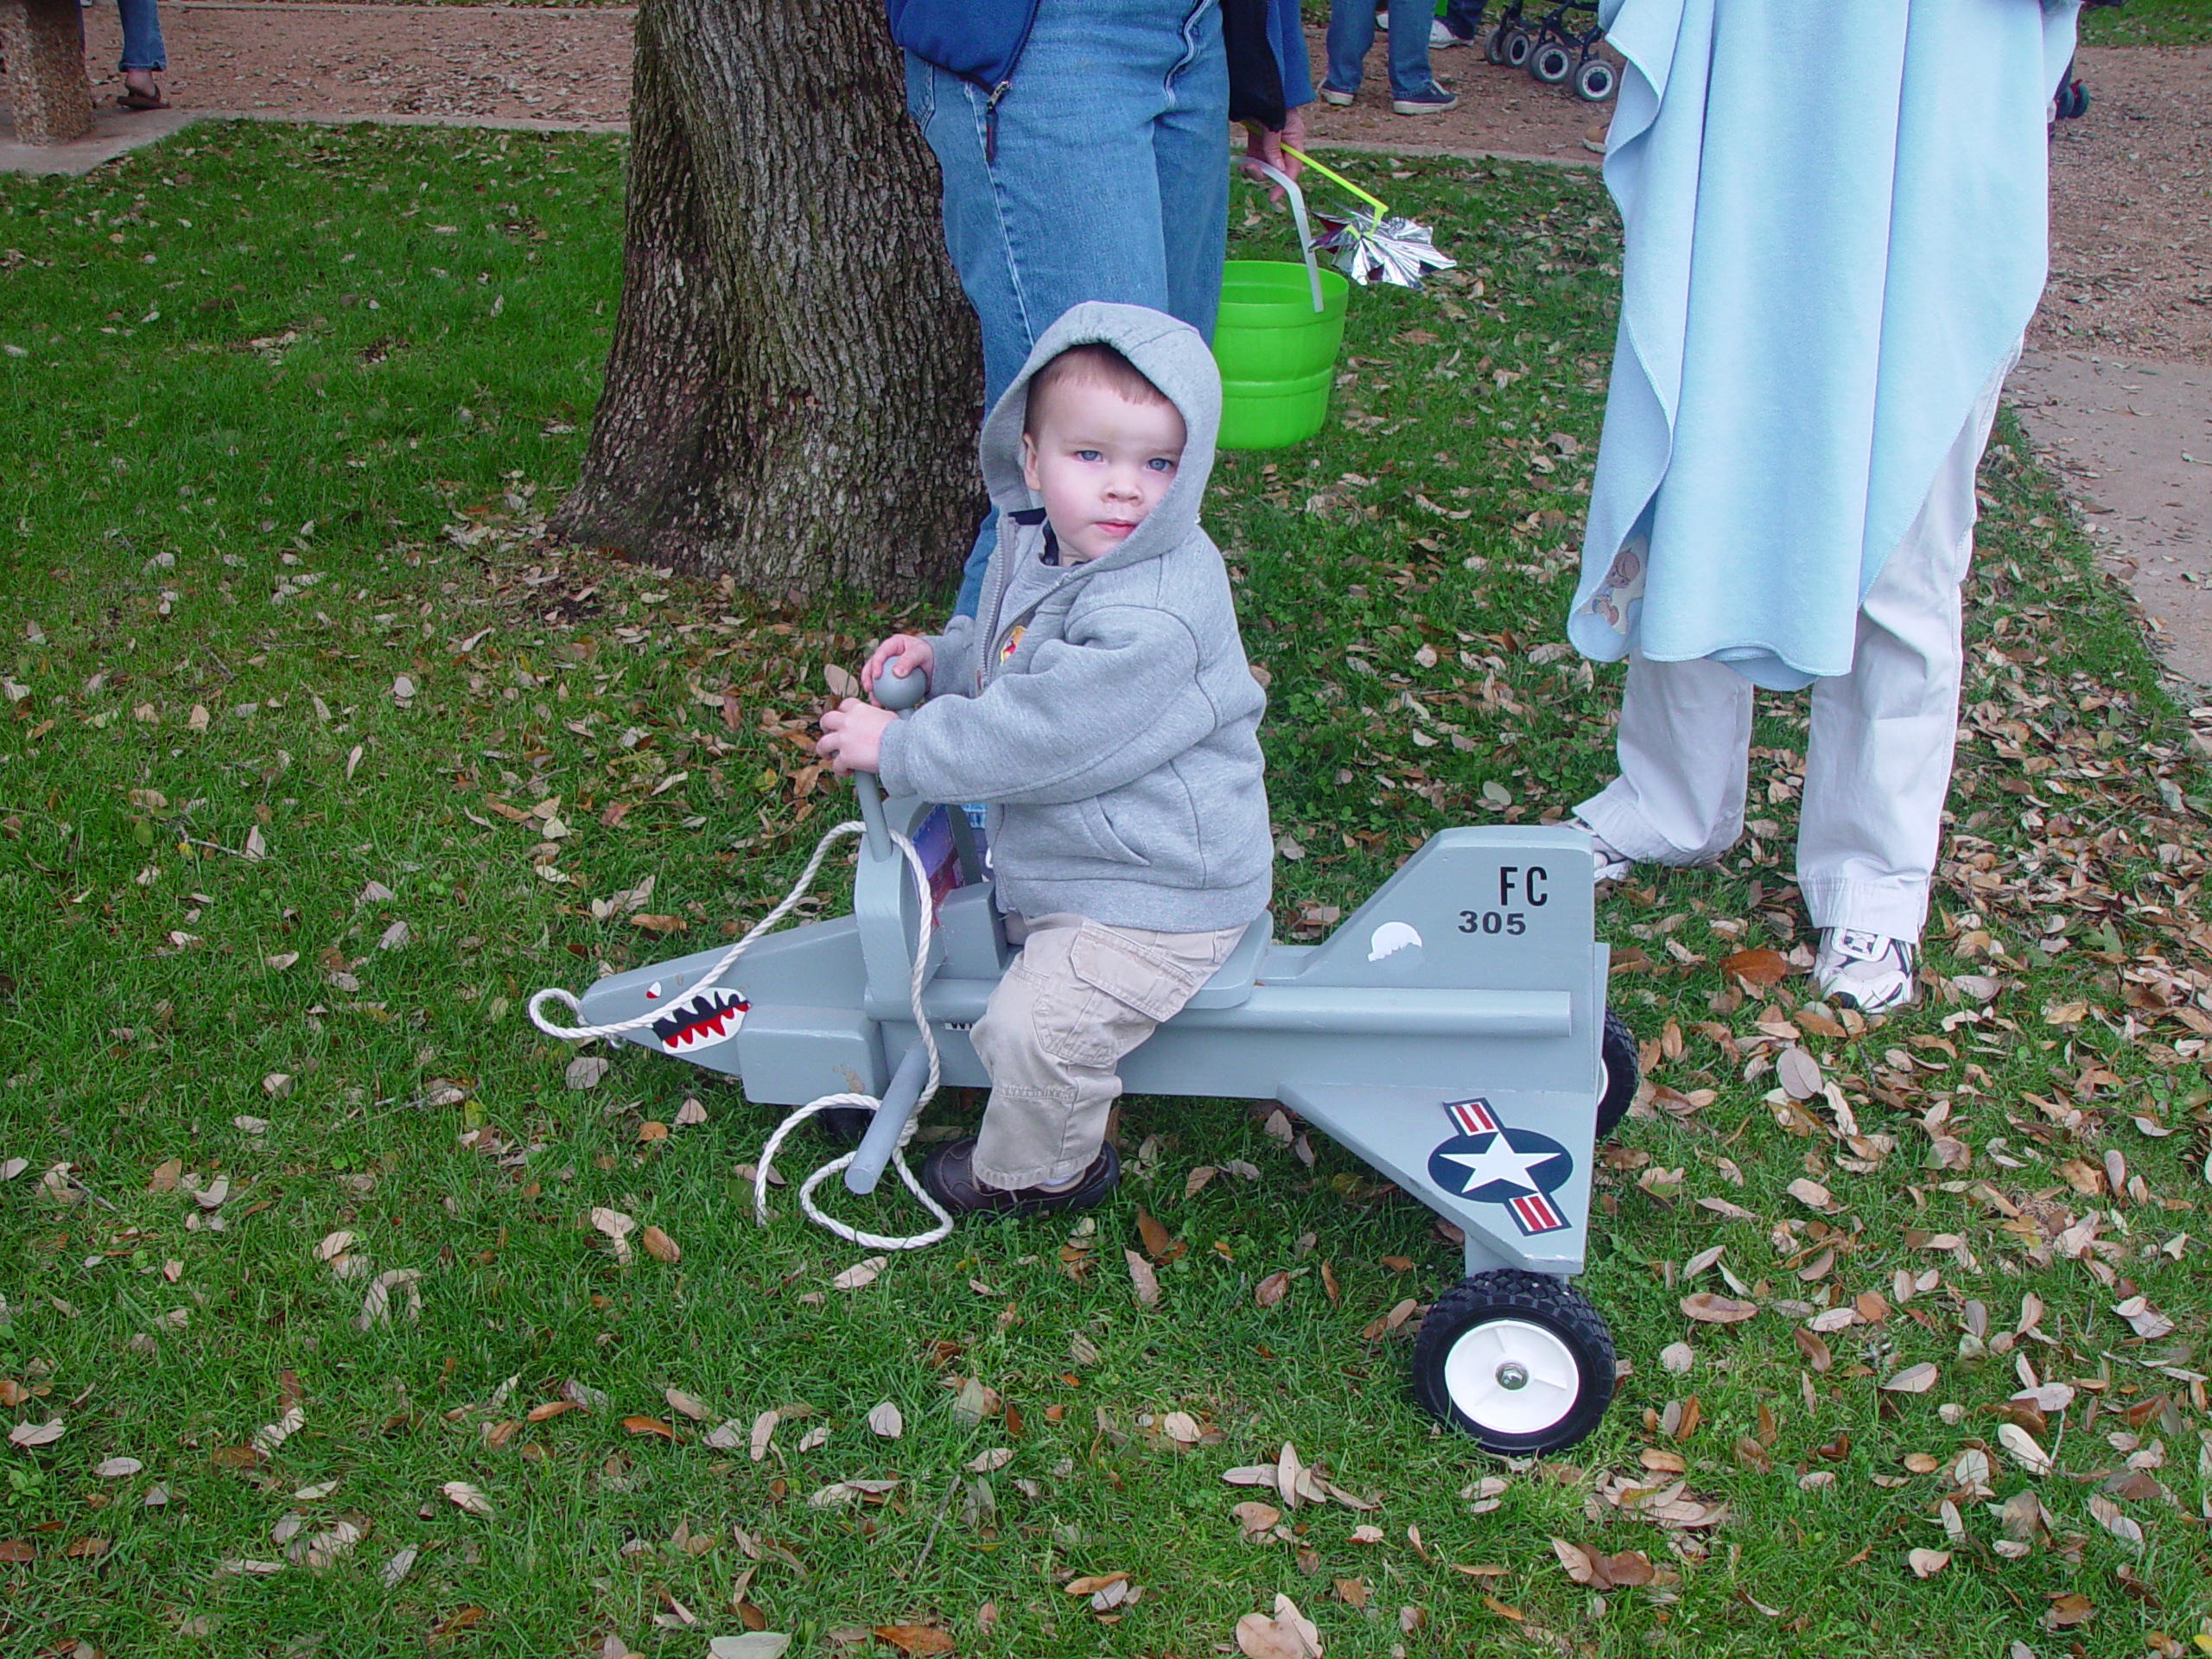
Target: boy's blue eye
point(1088, 455)
point(1161, 464)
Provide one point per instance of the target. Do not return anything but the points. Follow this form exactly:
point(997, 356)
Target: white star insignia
point(1498, 1161)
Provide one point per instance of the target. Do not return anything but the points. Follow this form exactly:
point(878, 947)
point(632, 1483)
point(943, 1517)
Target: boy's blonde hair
point(1092, 364)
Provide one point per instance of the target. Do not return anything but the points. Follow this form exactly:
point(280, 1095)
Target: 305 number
point(1492, 921)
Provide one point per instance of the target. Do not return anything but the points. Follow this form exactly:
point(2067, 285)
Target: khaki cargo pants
point(1079, 997)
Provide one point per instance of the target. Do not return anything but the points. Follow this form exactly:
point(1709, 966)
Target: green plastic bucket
point(1278, 355)
point(1276, 351)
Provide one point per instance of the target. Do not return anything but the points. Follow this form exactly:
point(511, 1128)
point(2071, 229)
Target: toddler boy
point(1100, 703)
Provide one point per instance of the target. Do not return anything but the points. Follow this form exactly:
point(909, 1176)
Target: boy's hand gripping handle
point(897, 692)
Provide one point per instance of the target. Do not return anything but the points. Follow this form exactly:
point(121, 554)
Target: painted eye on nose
point(652, 991)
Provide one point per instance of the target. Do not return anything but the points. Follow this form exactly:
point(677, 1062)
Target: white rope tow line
point(867, 1102)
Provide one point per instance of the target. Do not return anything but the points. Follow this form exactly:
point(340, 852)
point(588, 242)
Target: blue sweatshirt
point(981, 40)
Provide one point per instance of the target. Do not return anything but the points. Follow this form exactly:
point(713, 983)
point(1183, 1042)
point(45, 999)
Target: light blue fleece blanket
point(1836, 215)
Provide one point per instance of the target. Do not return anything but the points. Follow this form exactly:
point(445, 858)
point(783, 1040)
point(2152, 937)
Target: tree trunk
point(792, 391)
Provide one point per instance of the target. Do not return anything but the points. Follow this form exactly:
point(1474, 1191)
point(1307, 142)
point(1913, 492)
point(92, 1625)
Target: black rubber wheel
point(1514, 53)
point(1596, 81)
point(843, 1126)
point(1494, 44)
point(1618, 1072)
point(1551, 63)
point(1517, 1360)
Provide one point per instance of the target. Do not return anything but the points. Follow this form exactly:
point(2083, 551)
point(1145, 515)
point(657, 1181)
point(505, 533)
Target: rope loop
point(927, 933)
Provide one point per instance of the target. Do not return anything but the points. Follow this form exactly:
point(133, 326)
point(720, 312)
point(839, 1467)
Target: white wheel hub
point(1508, 1377)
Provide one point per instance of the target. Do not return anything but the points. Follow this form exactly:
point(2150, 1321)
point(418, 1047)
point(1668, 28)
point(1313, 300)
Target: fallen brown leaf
point(1763, 966)
point(1708, 1308)
point(1255, 1517)
point(685, 1405)
point(1142, 1277)
point(1288, 1635)
point(914, 1638)
point(1927, 1563)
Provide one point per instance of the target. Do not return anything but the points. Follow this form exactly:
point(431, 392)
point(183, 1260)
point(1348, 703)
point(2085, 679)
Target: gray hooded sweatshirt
point(1115, 739)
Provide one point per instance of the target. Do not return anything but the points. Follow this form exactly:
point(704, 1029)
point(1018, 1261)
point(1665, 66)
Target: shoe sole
point(1340, 99)
point(1407, 106)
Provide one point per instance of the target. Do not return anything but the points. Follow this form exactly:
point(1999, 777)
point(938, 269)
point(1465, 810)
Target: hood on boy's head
point(1170, 355)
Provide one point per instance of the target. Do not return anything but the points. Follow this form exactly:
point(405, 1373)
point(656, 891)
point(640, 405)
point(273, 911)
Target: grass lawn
point(2148, 22)
point(317, 760)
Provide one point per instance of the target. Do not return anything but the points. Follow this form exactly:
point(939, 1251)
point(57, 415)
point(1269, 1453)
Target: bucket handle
point(1276, 176)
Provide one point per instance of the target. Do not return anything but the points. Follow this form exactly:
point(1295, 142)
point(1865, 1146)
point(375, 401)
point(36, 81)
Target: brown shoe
point(949, 1177)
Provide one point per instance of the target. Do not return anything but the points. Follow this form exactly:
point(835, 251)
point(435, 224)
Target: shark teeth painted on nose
point(710, 1015)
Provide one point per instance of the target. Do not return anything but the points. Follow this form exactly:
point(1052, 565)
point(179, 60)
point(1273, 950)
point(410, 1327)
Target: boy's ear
point(1029, 462)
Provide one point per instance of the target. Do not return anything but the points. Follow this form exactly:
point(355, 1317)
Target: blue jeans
point(1464, 17)
point(141, 36)
point(1107, 178)
point(1352, 31)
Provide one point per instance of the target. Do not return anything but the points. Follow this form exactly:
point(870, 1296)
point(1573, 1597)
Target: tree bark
point(792, 391)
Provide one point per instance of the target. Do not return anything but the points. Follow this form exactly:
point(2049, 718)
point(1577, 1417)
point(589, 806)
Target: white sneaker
point(1440, 37)
point(1607, 861)
point(1870, 972)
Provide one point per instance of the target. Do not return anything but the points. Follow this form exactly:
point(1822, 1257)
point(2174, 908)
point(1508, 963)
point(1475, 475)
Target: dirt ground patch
point(547, 63)
point(2131, 209)
point(1502, 111)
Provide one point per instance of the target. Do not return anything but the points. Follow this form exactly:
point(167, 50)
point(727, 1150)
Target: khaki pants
point(1878, 759)
point(1079, 997)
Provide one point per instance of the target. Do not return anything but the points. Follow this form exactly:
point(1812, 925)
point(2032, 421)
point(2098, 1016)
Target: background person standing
point(1084, 156)
point(1836, 222)
point(142, 56)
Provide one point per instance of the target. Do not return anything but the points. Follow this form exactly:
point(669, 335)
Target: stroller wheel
point(1597, 80)
point(1551, 63)
point(1618, 1072)
point(1519, 1361)
point(1494, 44)
point(1514, 54)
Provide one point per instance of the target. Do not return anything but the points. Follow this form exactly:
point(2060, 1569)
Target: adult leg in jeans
point(1879, 754)
point(1410, 75)
point(1464, 17)
point(1351, 32)
point(1106, 177)
point(142, 51)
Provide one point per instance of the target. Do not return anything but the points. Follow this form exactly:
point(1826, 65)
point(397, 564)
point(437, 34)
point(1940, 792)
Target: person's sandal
point(136, 100)
point(949, 1178)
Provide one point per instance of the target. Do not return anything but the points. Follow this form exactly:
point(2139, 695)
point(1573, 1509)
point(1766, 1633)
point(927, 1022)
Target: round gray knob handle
point(899, 692)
